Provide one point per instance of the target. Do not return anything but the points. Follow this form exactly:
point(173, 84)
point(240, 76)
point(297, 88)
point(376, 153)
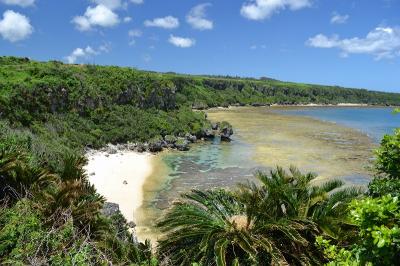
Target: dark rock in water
point(92, 174)
point(182, 144)
point(208, 133)
point(125, 182)
point(110, 209)
point(215, 126)
point(225, 131)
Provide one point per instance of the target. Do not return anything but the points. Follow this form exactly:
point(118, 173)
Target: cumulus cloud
point(79, 54)
point(22, 3)
point(262, 9)
point(339, 19)
point(116, 4)
point(15, 26)
point(197, 17)
point(168, 22)
point(111, 4)
point(381, 42)
point(181, 42)
point(99, 15)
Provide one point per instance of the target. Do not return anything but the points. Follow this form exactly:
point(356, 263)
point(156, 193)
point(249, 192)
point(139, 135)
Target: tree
point(378, 243)
point(388, 156)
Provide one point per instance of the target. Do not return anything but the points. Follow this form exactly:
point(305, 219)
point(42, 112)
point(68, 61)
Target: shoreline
point(298, 105)
point(286, 136)
point(120, 177)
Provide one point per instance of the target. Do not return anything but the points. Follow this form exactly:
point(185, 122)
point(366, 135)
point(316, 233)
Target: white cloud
point(181, 42)
point(339, 19)
point(262, 9)
point(197, 17)
point(15, 26)
point(22, 3)
point(381, 42)
point(80, 53)
point(168, 22)
point(127, 19)
point(111, 4)
point(96, 16)
point(86, 53)
point(117, 4)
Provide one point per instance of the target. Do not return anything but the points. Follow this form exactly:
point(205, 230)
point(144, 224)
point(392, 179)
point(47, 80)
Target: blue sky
point(337, 42)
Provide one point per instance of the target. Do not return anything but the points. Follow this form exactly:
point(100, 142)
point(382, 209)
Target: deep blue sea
point(373, 121)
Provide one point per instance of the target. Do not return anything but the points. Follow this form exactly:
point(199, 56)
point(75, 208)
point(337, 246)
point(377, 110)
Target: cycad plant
point(275, 223)
point(214, 227)
point(301, 196)
point(19, 179)
point(74, 194)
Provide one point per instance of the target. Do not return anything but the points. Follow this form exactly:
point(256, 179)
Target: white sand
point(108, 174)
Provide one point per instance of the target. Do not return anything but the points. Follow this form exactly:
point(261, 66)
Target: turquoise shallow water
point(216, 164)
point(373, 121)
point(207, 165)
point(222, 165)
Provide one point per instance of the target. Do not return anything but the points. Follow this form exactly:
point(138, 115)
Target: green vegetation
point(234, 227)
point(56, 219)
point(377, 216)
point(51, 215)
point(50, 109)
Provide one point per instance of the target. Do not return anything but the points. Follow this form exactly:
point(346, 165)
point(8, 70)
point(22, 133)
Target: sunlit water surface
point(333, 142)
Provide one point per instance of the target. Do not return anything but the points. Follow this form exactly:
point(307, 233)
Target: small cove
point(264, 138)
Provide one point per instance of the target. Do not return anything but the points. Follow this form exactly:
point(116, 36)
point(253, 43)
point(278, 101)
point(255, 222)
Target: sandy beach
point(120, 177)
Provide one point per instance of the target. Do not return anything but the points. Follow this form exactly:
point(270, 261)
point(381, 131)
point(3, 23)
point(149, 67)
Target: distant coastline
point(301, 105)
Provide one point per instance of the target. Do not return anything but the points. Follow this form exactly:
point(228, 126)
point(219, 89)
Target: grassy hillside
point(51, 108)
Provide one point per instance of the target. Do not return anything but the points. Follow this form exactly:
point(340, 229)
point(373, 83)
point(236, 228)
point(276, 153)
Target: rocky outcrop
point(182, 142)
point(220, 129)
point(225, 131)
